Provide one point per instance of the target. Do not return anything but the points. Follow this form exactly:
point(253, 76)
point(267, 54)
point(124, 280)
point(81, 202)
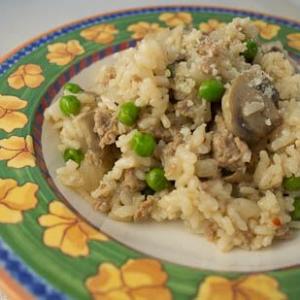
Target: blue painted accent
point(19, 270)
point(89, 60)
point(77, 68)
point(57, 86)
point(13, 264)
point(132, 43)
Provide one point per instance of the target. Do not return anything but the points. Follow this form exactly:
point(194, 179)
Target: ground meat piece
point(106, 126)
point(168, 134)
point(102, 205)
point(106, 191)
point(131, 181)
point(162, 133)
point(183, 107)
point(199, 112)
point(103, 197)
point(284, 233)
point(229, 151)
point(248, 236)
point(238, 176)
point(144, 210)
point(209, 229)
point(170, 149)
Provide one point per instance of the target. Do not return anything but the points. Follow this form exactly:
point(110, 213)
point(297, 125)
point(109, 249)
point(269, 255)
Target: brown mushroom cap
point(250, 106)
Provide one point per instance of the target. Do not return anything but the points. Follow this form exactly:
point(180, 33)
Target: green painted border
point(182, 281)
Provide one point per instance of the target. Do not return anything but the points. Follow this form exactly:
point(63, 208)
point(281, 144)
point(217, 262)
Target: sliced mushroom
point(238, 176)
point(250, 106)
point(85, 123)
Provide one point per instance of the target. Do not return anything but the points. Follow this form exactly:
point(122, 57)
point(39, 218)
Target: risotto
point(202, 128)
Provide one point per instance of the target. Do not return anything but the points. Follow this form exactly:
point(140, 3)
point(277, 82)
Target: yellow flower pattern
point(294, 40)
point(253, 287)
point(67, 232)
point(15, 199)
point(176, 19)
point(29, 75)
point(18, 151)
point(266, 31)
point(10, 117)
point(63, 53)
point(141, 29)
point(210, 25)
point(102, 34)
point(142, 279)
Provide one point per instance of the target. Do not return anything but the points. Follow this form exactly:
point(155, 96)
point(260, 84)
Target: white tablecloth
point(23, 19)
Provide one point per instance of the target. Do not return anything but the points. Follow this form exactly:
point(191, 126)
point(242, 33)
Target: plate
point(52, 242)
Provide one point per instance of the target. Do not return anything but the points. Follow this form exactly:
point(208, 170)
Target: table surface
point(23, 19)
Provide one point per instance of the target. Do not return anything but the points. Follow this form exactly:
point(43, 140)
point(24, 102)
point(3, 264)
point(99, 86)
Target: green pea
point(156, 179)
point(295, 214)
point(128, 113)
point(74, 154)
point(212, 90)
point(251, 51)
point(69, 105)
point(143, 144)
point(291, 183)
point(72, 88)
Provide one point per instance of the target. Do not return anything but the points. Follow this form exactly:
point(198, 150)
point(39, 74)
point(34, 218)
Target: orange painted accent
point(11, 289)
point(23, 45)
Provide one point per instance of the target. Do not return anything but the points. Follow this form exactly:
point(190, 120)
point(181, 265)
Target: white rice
point(243, 215)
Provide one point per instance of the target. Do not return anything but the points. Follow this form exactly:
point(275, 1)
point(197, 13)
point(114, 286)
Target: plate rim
point(113, 13)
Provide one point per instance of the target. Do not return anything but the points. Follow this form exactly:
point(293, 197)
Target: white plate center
point(169, 241)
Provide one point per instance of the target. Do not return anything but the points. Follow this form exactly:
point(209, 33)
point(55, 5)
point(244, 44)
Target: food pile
point(202, 128)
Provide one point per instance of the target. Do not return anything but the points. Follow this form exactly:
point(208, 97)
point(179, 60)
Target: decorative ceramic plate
point(52, 242)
